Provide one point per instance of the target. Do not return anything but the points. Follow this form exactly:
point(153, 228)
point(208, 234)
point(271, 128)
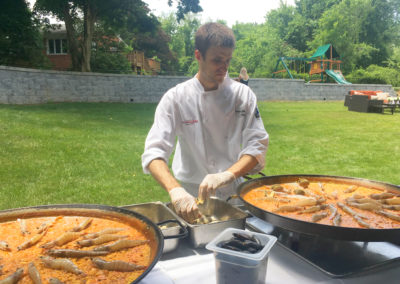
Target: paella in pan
point(72, 246)
point(330, 203)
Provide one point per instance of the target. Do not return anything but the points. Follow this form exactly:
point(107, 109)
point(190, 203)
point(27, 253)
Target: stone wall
point(31, 86)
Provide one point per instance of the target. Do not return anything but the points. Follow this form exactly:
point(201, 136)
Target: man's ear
point(197, 55)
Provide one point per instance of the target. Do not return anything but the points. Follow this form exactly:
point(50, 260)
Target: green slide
point(337, 76)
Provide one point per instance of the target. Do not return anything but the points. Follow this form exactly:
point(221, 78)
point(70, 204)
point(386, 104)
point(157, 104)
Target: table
point(187, 265)
point(381, 107)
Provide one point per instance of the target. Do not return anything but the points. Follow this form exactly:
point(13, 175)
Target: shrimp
point(54, 280)
point(62, 240)
point(392, 207)
point(388, 215)
point(103, 232)
point(337, 220)
point(41, 228)
point(313, 209)
point(32, 241)
point(75, 253)
point(363, 200)
point(121, 244)
point(13, 278)
point(334, 211)
point(365, 206)
point(34, 273)
point(116, 265)
point(22, 225)
point(357, 196)
point(318, 216)
point(287, 208)
point(335, 216)
point(82, 226)
point(100, 240)
point(61, 264)
point(390, 201)
point(4, 246)
point(350, 189)
point(353, 214)
point(280, 200)
point(306, 202)
point(383, 195)
point(333, 195)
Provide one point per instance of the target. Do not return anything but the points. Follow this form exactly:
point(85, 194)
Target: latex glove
point(184, 204)
point(213, 181)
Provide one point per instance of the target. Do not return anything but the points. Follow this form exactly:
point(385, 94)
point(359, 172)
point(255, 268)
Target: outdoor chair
point(359, 103)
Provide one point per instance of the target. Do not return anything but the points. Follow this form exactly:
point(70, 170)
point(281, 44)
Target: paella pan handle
point(184, 232)
point(259, 173)
point(247, 177)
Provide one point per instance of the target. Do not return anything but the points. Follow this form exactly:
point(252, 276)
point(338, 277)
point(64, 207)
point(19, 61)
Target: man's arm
point(213, 181)
point(184, 203)
point(160, 171)
point(245, 164)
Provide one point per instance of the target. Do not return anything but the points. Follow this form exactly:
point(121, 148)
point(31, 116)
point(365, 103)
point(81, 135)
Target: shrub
point(374, 74)
point(110, 62)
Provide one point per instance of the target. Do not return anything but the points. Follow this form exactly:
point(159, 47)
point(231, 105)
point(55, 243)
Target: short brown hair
point(213, 34)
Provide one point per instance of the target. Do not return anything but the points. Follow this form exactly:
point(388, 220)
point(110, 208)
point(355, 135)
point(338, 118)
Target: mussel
point(242, 243)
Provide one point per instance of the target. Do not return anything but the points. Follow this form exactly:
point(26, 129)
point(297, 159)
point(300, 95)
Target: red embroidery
point(188, 122)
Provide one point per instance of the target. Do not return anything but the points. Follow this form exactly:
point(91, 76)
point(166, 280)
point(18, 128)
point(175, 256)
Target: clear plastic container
point(240, 267)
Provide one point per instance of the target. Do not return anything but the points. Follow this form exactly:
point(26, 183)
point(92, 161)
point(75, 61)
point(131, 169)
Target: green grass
point(90, 153)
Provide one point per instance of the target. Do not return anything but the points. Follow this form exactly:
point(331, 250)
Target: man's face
point(213, 67)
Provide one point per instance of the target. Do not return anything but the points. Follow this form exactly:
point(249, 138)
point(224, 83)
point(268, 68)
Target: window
point(57, 46)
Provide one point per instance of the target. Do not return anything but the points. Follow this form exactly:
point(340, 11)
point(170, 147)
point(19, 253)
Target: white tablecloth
point(186, 265)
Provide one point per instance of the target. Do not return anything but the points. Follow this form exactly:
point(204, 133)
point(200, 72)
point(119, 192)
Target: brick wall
point(61, 62)
point(31, 86)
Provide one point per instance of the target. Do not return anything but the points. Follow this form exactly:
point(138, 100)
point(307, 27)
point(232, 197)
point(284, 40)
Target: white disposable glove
point(213, 181)
point(184, 204)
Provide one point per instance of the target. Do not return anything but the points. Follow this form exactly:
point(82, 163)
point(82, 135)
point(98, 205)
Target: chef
point(216, 126)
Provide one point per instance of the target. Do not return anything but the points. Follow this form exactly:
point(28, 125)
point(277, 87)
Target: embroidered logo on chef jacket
point(241, 112)
point(190, 122)
point(257, 113)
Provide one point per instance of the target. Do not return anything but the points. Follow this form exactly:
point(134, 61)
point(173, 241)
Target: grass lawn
point(90, 152)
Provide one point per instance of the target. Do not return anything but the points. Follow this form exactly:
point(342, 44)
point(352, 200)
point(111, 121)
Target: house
point(57, 48)
point(56, 44)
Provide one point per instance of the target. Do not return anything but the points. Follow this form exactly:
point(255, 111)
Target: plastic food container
point(240, 267)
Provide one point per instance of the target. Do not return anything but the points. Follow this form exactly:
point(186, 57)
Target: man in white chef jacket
point(221, 136)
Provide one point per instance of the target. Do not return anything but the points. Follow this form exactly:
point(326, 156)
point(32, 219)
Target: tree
point(182, 39)
point(185, 7)
point(343, 25)
point(258, 48)
point(382, 30)
point(116, 13)
point(132, 15)
point(20, 40)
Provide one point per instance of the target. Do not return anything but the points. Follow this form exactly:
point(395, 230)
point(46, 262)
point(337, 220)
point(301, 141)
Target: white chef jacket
point(214, 129)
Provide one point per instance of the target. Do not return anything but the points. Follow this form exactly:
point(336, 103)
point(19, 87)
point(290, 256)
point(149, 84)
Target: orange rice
point(255, 197)
point(13, 259)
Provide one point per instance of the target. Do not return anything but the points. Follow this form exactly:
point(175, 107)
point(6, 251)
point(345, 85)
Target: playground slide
point(337, 76)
